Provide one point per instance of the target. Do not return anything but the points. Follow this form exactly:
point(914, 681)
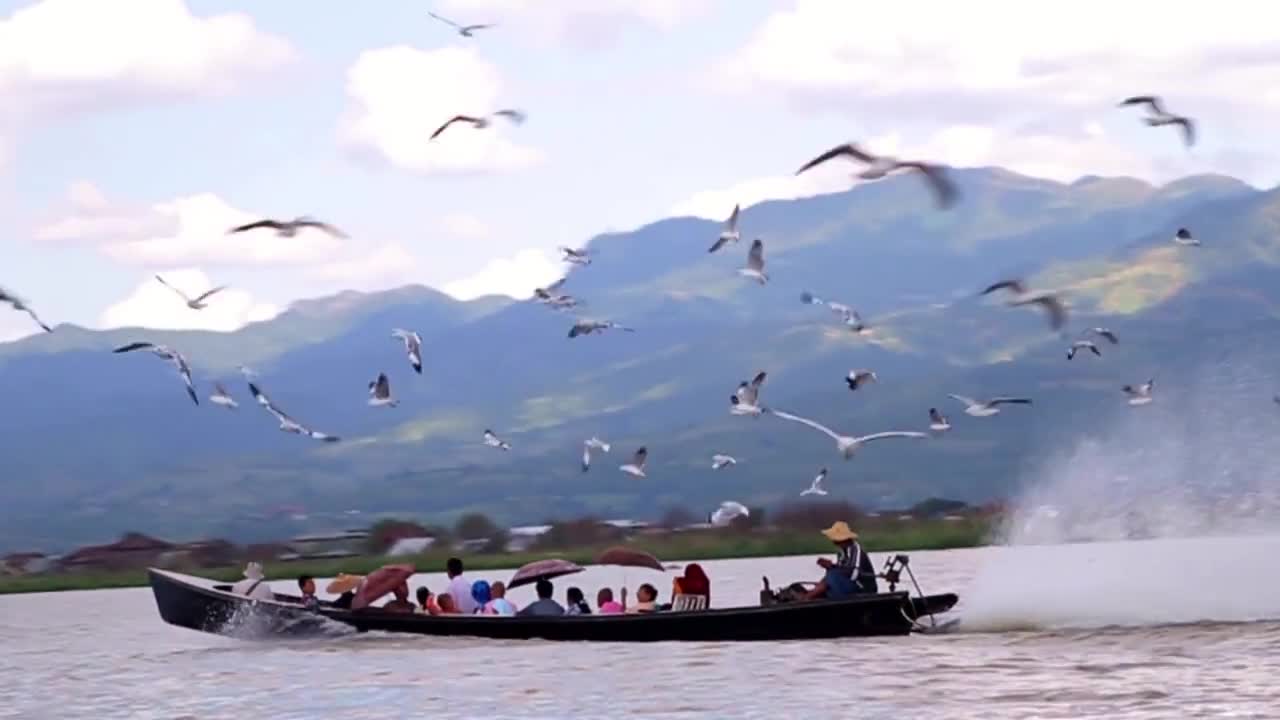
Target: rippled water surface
point(1122, 630)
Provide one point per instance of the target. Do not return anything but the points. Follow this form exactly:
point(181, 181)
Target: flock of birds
point(746, 399)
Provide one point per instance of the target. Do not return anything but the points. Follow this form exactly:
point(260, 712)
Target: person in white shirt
point(254, 584)
point(460, 587)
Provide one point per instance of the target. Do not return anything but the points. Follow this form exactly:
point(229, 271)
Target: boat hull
point(187, 604)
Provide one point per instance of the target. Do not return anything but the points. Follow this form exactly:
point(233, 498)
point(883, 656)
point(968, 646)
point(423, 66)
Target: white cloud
point(65, 56)
point(91, 218)
point(465, 226)
point(515, 276)
point(591, 24)
point(152, 305)
point(380, 267)
point(399, 95)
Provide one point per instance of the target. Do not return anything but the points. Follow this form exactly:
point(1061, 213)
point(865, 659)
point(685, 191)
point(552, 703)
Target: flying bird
point(1055, 309)
point(594, 443)
point(412, 347)
point(380, 392)
point(221, 397)
point(1157, 116)
point(727, 513)
point(289, 228)
point(858, 378)
point(719, 461)
point(847, 315)
point(18, 304)
point(730, 233)
point(755, 263)
point(492, 441)
point(588, 327)
point(1079, 345)
point(847, 445)
point(197, 303)
point(480, 122)
point(746, 399)
point(1105, 334)
point(815, 488)
point(636, 466)
point(1183, 237)
point(1140, 394)
point(288, 424)
point(987, 408)
point(879, 166)
point(937, 421)
point(553, 299)
point(575, 256)
point(463, 30)
point(173, 356)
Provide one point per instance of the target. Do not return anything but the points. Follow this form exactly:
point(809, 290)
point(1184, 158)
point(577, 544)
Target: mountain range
point(96, 443)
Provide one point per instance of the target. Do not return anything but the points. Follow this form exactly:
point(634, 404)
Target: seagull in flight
point(494, 442)
point(720, 461)
point(380, 392)
point(636, 466)
point(1140, 394)
point(553, 299)
point(221, 397)
point(463, 30)
point(166, 353)
point(197, 303)
point(1105, 334)
point(727, 513)
point(815, 488)
point(1183, 237)
point(847, 445)
point(858, 378)
point(289, 228)
point(288, 424)
point(1157, 116)
point(412, 347)
point(848, 315)
point(594, 443)
point(480, 122)
point(575, 256)
point(746, 399)
point(18, 304)
point(730, 233)
point(937, 421)
point(755, 263)
point(1079, 345)
point(588, 327)
point(879, 166)
point(987, 408)
point(1055, 310)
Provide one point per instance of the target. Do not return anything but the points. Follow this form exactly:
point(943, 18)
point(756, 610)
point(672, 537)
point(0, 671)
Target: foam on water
point(1166, 513)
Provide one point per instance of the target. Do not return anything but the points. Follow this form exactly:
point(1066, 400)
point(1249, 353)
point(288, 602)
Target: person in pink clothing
point(606, 604)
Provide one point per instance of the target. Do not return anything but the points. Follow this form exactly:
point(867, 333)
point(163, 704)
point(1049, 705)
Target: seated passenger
point(606, 605)
point(577, 603)
point(307, 585)
point(544, 605)
point(254, 583)
point(851, 573)
point(345, 586)
point(400, 601)
point(693, 582)
point(427, 602)
point(646, 600)
point(447, 605)
point(499, 605)
point(481, 593)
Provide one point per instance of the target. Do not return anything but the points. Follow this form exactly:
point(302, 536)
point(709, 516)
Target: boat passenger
point(447, 605)
point(852, 571)
point(577, 603)
point(646, 600)
point(307, 585)
point(345, 586)
point(481, 593)
point(400, 601)
point(459, 587)
point(544, 605)
point(606, 605)
point(693, 582)
point(427, 602)
point(254, 583)
point(499, 605)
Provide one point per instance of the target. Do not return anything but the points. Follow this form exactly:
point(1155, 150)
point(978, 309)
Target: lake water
point(1158, 629)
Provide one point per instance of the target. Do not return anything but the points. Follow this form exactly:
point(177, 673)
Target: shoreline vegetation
point(670, 548)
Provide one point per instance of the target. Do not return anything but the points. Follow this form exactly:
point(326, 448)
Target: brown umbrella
point(628, 557)
point(543, 570)
point(379, 583)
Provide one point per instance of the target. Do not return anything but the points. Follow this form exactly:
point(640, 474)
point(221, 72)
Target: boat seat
point(687, 603)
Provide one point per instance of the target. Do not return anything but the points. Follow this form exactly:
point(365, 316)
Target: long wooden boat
point(202, 605)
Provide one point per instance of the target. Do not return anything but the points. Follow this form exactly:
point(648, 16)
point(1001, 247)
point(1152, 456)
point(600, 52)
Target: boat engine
point(893, 568)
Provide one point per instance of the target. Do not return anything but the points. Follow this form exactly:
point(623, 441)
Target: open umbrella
point(628, 557)
point(379, 583)
point(543, 570)
point(343, 583)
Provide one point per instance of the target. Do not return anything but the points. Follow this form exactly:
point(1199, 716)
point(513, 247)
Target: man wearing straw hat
point(254, 583)
point(852, 571)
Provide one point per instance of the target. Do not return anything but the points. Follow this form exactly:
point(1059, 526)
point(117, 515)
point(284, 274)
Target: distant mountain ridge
point(106, 443)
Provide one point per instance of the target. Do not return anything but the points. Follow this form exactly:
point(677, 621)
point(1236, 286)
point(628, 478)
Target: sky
point(134, 133)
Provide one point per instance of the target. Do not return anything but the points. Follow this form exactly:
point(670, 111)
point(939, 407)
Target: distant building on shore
point(132, 551)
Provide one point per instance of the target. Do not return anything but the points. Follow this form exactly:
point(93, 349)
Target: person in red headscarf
point(693, 582)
